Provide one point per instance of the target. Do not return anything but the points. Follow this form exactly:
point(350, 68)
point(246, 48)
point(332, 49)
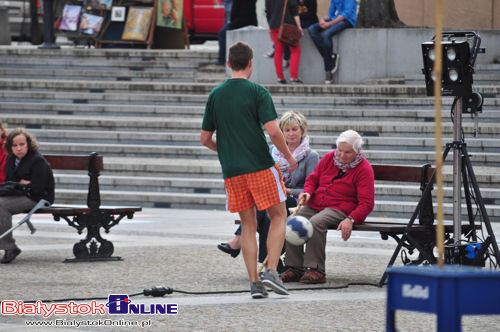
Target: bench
point(412, 237)
point(92, 217)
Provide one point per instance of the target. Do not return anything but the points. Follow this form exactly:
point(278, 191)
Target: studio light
point(456, 75)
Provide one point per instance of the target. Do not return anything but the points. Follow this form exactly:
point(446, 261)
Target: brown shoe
point(313, 276)
point(291, 275)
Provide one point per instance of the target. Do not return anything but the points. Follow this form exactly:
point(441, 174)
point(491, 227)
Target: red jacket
point(3, 158)
point(353, 193)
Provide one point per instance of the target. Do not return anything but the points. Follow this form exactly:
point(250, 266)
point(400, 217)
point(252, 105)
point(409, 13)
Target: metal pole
point(48, 26)
point(457, 170)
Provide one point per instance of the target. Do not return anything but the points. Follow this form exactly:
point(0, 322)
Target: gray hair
point(352, 138)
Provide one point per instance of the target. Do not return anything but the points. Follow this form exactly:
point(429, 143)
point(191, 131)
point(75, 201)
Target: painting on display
point(90, 24)
point(169, 14)
point(138, 23)
point(70, 16)
point(118, 14)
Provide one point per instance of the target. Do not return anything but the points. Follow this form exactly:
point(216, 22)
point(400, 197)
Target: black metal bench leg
point(93, 247)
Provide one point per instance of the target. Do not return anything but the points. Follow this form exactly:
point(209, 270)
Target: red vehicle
point(204, 18)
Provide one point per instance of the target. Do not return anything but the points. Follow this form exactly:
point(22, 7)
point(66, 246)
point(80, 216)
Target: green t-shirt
point(236, 111)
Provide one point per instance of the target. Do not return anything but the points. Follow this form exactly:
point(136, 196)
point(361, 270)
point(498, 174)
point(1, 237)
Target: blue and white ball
point(298, 230)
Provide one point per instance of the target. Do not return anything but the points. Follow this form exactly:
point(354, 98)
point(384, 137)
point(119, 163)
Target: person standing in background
point(274, 14)
point(242, 13)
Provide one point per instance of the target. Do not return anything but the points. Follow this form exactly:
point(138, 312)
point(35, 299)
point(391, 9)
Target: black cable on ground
point(160, 291)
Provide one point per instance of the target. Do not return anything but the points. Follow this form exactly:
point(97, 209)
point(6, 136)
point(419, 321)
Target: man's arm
point(279, 142)
point(207, 139)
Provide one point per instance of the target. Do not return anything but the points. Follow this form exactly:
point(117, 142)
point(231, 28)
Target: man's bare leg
point(276, 236)
point(249, 242)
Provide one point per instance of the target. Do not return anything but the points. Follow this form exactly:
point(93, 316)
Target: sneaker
point(10, 255)
point(270, 54)
point(286, 64)
point(335, 58)
point(296, 81)
point(328, 78)
point(281, 81)
point(257, 290)
point(271, 279)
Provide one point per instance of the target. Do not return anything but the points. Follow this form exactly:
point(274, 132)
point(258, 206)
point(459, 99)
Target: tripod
point(463, 174)
point(463, 171)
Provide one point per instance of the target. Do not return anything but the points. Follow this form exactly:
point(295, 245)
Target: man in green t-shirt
point(238, 110)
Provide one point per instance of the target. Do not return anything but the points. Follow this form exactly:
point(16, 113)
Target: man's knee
point(319, 224)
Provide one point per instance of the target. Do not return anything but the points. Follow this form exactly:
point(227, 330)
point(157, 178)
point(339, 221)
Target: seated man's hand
point(345, 227)
point(304, 196)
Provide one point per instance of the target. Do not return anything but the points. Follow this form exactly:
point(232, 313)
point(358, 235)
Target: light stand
point(458, 67)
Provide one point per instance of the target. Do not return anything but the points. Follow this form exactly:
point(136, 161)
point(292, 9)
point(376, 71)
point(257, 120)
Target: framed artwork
point(138, 23)
point(169, 14)
point(90, 24)
point(99, 4)
point(70, 16)
point(118, 14)
point(105, 4)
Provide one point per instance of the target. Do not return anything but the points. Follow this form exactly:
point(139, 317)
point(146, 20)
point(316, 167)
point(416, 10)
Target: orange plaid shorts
point(262, 188)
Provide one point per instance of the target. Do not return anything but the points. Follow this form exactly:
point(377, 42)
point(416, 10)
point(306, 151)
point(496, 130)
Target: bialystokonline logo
point(117, 305)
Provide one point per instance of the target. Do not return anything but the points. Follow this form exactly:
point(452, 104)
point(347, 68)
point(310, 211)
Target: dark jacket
point(274, 12)
point(33, 167)
point(243, 14)
point(307, 11)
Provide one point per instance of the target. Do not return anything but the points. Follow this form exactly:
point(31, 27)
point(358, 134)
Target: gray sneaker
point(271, 279)
point(328, 77)
point(257, 290)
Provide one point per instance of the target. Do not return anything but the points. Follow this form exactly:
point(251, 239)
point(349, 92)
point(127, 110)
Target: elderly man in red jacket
point(339, 193)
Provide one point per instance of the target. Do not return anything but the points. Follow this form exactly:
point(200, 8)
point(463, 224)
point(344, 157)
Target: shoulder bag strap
point(284, 11)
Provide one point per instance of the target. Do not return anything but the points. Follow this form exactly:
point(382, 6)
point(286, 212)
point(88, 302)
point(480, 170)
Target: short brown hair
point(240, 54)
point(32, 143)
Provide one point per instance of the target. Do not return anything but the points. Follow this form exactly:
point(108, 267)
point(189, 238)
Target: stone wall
point(364, 53)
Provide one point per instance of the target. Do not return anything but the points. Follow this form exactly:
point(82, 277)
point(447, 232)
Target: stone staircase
point(142, 111)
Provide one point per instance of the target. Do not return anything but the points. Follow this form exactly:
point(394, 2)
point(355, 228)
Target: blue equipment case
point(449, 292)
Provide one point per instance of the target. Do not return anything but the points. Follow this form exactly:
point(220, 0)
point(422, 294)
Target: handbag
point(12, 189)
point(288, 34)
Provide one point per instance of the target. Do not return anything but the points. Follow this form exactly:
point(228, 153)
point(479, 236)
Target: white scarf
point(299, 153)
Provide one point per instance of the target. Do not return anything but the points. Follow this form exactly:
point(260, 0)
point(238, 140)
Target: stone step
point(177, 124)
point(193, 139)
point(101, 75)
point(213, 201)
point(286, 90)
point(201, 152)
point(488, 78)
point(81, 107)
point(487, 177)
point(106, 54)
point(134, 64)
point(383, 190)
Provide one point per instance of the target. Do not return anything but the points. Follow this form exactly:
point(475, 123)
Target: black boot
point(10, 255)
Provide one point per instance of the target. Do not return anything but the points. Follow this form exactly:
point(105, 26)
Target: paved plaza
point(177, 249)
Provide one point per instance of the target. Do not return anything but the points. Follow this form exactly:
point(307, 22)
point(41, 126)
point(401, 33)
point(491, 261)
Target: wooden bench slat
point(400, 173)
point(68, 162)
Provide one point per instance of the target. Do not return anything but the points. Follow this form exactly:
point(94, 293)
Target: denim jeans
point(222, 44)
point(324, 41)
